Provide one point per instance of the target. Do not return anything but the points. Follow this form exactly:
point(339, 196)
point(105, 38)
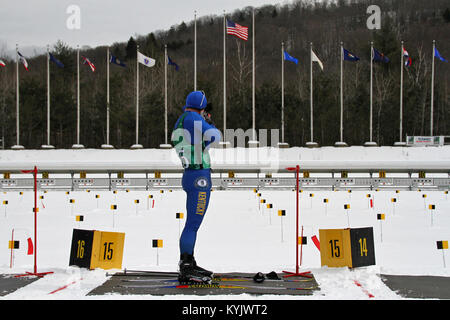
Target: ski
point(133, 273)
point(272, 276)
point(213, 286)
point(218, 279)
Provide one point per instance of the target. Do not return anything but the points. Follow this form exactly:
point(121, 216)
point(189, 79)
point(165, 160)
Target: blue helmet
point(196, 100)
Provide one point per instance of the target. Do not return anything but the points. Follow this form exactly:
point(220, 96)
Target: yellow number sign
point(347, 247)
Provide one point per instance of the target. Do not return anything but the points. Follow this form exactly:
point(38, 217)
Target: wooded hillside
point(298, 23)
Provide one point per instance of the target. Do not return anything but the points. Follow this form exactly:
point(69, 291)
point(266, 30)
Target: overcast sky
point(36, 23)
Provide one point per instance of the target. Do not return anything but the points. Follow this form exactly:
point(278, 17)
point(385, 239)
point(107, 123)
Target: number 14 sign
point(347, 247)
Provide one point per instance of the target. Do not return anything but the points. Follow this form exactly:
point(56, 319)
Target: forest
point(297, 23)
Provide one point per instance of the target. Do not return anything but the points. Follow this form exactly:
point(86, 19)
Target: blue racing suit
point(191, 138)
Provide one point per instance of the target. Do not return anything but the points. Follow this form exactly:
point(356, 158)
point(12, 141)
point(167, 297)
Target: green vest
point(189, 156)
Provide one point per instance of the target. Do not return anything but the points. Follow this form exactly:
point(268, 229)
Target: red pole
point(35, 218)
point(35, 273)
point(297, 171)
point(297, 189)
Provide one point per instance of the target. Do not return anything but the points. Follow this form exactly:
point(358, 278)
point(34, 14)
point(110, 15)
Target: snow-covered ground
point(236, 235)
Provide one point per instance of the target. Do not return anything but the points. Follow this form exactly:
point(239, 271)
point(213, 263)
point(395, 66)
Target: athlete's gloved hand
point(207, 117)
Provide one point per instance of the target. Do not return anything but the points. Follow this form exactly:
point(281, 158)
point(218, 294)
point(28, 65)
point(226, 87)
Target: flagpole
point(342, 93)
point(107, 145)
point(282, 144)
point(341, 143)
point(253, 75)
point(78, 94)
point(17, 146)
point(432, 88)
point(282, 92)
point(401, 97)
point(48, 146)
point(311, 144)
point(371, 89)
point(311, 91)
point(254, 142)
point(224, 143)
point(165, 91)
point(224, 77)
point(17, 97)
point(78, 145)
point(137, 94)
point(195, 53)
point(107, 95)
point(165, 145)
point(48, 97)
point(370, 143)
point(137, 145)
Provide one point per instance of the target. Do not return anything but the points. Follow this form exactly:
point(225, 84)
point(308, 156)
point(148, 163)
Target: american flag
point(237, 30)
point(88, 62)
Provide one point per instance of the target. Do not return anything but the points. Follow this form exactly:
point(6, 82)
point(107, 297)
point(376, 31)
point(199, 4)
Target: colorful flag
point(349, 56)
point(316, 59)
point(115, 60)
point(23, 60)
point(290, 58)
point(2, 64)
point(89, 63)
point(437, 55)
point(147, 61)
point(408, 61)
point(171, 63)
point(237, 30)
point(378, 56)
point(58, 63)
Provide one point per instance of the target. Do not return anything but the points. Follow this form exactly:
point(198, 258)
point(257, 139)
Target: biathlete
point(193, 134)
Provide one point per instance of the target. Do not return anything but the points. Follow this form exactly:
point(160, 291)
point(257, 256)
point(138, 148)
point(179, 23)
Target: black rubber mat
point(9, 283)
point(422, 287)
point(231, 284)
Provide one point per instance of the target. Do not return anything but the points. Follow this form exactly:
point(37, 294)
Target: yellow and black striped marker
point(13, 244)
point(179, 215)
point(157, 243)
point(441, 245)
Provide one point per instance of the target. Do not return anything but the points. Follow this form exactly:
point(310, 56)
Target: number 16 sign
point(97, 249)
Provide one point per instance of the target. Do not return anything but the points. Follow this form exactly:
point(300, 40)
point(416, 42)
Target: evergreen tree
point(131, 49)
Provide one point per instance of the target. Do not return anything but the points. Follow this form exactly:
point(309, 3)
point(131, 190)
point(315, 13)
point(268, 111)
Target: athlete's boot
point(188, 272)
point(202, 270)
